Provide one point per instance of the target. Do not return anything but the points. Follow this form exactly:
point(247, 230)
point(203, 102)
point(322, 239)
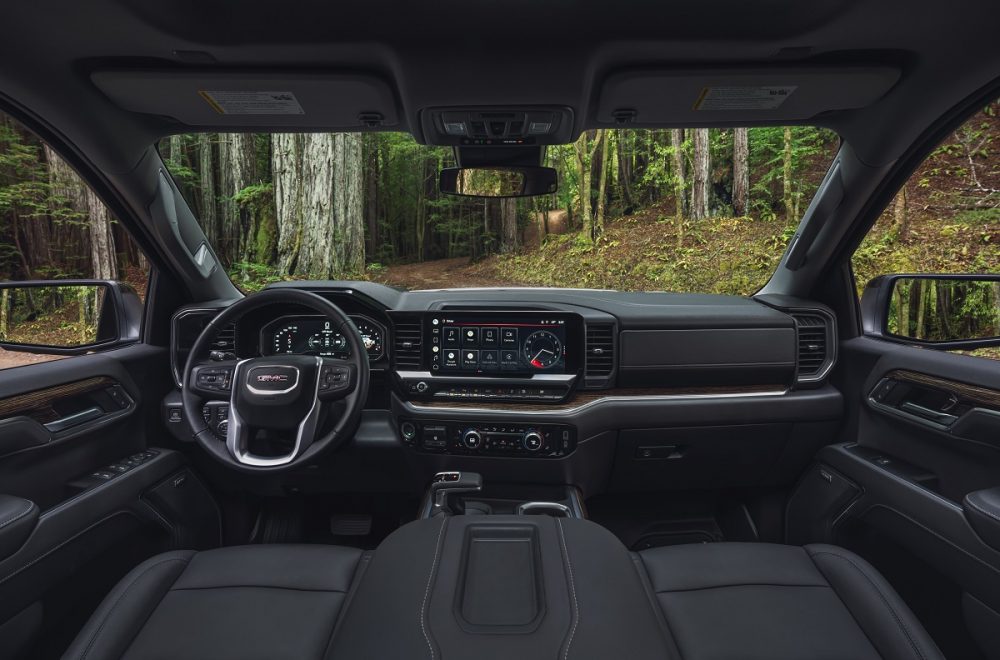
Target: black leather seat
point(566, 590)
point(263, 601)
point(747, 601)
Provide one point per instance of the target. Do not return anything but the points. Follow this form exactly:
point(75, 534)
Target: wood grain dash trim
point(38, 404)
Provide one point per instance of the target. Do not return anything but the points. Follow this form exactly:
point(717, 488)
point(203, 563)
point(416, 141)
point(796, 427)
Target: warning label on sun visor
point(743, 98)
point(234, 102)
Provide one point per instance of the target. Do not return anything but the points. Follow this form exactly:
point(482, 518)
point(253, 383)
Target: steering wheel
point(289, 398)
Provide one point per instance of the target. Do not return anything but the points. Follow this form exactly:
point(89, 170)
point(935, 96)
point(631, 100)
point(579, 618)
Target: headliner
point(450, 53)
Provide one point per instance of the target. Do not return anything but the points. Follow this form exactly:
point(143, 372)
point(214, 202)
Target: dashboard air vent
point(409, 339)
point(225, 339)
point(814, 348)
point(600, 350)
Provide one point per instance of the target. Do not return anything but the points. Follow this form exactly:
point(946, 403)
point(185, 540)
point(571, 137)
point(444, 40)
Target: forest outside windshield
point(694, 210)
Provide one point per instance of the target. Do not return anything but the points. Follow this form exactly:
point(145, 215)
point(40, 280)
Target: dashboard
point(599, 388)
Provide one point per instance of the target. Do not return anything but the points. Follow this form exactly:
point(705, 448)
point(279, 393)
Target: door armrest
point(18, 518)
point(982, 510)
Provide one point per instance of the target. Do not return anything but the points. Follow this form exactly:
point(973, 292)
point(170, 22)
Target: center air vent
point(600, 360)
point(815, 345)
point(409, 338)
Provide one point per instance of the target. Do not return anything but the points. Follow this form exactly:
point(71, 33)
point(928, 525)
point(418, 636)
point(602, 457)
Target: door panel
point(919, 439)
point(75, 439)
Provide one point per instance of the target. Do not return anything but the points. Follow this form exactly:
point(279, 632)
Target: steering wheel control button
point(215, 378)
point(333, 378)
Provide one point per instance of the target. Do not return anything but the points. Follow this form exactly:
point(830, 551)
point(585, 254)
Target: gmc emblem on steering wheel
point(272, 378)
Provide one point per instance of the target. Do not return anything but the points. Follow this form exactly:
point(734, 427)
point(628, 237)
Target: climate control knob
point(532, 440)
point(472, 439)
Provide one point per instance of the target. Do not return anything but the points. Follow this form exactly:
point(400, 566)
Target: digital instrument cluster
point(495, 344)
point(316, 335)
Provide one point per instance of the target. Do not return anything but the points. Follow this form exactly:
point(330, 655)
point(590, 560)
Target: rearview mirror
point(938, 311)
point(67, 317)
point(498, 181)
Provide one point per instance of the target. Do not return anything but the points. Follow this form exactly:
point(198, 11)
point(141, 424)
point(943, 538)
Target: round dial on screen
point(542, 349)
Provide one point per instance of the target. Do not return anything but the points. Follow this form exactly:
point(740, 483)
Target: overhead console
point(497, 126)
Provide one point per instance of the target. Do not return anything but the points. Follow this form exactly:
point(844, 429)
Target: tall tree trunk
point(741, 171)
point(677, 149)
point(602, 185)
point(508, 224)
point(786, 175)
point(702, 166)
point(319, 204)
point(206, 174)
point(900, 216)
point(78, 204)
point(103, 258)
point(237, 227)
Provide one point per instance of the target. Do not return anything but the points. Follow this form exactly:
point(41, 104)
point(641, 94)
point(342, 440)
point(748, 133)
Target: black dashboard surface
point(610, 338)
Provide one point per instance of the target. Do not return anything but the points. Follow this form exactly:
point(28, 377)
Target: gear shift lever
point(446, 485)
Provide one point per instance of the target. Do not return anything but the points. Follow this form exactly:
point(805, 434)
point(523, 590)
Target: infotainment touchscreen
point(502, 343)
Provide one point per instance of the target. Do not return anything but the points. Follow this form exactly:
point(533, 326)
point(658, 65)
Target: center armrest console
point(501, 587)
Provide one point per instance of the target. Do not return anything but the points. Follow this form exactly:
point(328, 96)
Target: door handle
point(75, 419)
point(943, 418)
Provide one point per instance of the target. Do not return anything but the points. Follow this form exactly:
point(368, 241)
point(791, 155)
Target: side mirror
point(68, 317)
point(498, 181)
point(936, 311)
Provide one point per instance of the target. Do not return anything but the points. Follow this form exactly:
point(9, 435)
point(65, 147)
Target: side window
point(944, 221)
point(55, 235)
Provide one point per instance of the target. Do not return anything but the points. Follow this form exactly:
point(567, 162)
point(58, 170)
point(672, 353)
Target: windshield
point(693, 210)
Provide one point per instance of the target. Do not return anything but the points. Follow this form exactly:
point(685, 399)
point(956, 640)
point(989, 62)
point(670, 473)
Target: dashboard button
point(489, 337)
point(489, 360)
point(451, 338)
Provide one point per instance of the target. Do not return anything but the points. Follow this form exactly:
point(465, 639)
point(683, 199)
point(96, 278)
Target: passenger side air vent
point(600, 360)
point(225, 339)
point(408, 343)
point(815, 353)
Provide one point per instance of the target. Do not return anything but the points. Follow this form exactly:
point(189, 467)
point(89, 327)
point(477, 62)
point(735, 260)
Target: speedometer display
point(316, 335)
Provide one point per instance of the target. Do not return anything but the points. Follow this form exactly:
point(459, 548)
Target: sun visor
point(652, 97)
point(219, 100)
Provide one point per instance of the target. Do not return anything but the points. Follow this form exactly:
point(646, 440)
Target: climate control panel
point(489, 438)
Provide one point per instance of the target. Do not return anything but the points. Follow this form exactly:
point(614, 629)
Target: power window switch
point(103, 475)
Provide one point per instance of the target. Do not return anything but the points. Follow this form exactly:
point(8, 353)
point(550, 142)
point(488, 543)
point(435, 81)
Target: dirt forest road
point(437, 274)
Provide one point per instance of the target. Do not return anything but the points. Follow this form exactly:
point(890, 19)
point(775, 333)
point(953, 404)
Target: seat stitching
point(741, 584)
point(259, 586)
point(882, 596)
point(654, 604)
point(970, 502)
point(121, 596)
point(18, 516)
point(427, 590)
point(572, 588)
